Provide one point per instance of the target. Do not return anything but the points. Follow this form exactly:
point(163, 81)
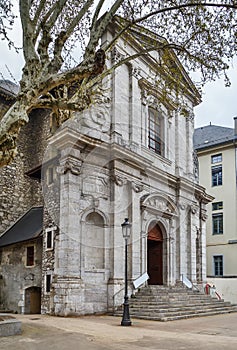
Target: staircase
point(162, 303)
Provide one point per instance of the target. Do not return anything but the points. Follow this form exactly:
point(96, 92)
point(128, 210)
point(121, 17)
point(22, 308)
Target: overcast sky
point(219, 104)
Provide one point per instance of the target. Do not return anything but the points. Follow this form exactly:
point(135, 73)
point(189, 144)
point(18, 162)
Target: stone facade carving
point(160, 204)
point(136, 72)
point(98, 115)
point(116, 56)
point(137, 187)
point(195, 166)
point(204, 215)
point(72, 165)
point(97, 186)
point(118, 180)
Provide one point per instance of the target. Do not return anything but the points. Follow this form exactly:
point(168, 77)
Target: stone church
point(66, 194)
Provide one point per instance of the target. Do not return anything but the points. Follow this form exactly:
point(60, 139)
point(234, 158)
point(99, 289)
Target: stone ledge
point(9, 326)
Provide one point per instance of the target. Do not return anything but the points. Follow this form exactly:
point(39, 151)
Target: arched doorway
point(155, 254)
point(33, 300)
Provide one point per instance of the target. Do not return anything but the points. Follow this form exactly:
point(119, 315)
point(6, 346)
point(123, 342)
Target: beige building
point(216, 148)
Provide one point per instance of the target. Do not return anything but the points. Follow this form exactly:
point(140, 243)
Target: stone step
point(178, 314)
point(177, 306)
point(170, 299)
point(179, 310)
point(177, 302)
point(178, 317)
point(166, 304)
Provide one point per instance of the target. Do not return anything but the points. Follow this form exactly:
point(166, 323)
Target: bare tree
point(203, 34)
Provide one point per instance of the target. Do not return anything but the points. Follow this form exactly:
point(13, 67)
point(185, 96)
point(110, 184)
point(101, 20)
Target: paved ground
point(105, 333)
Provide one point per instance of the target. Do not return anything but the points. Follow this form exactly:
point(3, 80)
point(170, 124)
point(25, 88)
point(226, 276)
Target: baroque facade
point(129, 156)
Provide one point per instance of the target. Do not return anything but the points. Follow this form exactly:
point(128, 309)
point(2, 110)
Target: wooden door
point(35, 300)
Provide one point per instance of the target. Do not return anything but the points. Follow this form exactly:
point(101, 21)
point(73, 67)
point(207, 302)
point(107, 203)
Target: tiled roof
point(212, 135)
point(29, 226)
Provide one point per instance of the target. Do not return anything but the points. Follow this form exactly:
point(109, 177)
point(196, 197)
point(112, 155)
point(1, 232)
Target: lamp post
point(126, 231)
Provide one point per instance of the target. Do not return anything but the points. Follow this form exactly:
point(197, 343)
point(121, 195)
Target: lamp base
point(126, 323)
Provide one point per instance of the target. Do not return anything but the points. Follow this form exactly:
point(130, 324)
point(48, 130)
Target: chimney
point(235, 127)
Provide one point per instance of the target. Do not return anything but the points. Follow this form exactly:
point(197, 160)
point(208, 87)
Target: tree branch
point(98, 28)
point(131, 23)
point(28, 32)
point(89, 67)
point(38, 12)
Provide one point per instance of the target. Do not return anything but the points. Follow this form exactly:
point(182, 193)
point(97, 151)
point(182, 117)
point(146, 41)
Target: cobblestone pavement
point(40, 332)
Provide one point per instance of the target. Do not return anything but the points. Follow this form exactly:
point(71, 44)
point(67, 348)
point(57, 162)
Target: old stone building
point(129, 156)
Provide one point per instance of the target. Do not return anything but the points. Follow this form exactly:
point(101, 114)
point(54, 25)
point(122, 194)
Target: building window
point(217, 158)
point(217, 224)
point(48, 283)
point(217, 206)
point(30, 252)
point(216, 173)
point(218, 265)
point(155, 132)
point(50, 237)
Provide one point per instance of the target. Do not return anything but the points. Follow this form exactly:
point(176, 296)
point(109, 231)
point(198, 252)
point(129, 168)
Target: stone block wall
point(18, 191)
point(16, 276)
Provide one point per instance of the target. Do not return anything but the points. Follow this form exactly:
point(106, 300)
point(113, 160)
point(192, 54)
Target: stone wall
point(16, 276)
point(18, 191)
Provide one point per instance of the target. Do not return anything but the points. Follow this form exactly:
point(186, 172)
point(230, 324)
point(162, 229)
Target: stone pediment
point(159, 204)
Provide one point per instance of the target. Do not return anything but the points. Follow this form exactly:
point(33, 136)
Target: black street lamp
point(126, 230)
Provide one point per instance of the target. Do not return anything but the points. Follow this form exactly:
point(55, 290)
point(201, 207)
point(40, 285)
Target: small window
point(217, 206)
point(48, 283)
point(50, 237)
point(30, 252)
point(217, 158)
point(216, 173)
point(218, 265)
point(217, 224)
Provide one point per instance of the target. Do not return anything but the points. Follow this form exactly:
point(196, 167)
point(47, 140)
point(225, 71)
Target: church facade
point(129, 156)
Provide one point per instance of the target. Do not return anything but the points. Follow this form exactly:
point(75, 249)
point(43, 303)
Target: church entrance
point(155, 255)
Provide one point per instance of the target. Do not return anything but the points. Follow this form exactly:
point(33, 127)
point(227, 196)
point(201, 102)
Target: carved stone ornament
point(137, 187)
point(187, 113)
point(160, 204)
point(97, 186)
point(98, 115)
point(136, 72)
point(193, 209)
point(74, 166)
point(182, 206)
point(116, 56)
point(195, 165)
point(118, 180)
point(190, 117)
point(144, 97)
point(204, 216)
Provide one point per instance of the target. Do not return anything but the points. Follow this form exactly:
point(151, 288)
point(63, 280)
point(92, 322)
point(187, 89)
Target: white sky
point(219, 104)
